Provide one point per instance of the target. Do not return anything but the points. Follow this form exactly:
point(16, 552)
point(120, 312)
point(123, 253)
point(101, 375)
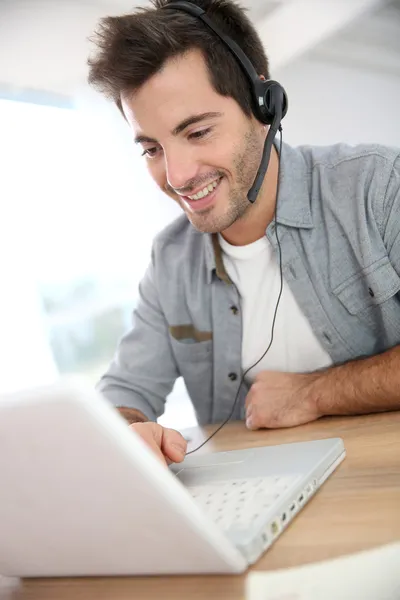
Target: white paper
point(370, 575)
point(7, 586)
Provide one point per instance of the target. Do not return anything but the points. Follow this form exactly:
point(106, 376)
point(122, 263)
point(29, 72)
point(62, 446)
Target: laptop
point(82, 495)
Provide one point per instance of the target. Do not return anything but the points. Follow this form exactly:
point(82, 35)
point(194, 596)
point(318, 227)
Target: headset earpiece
point(270, 100)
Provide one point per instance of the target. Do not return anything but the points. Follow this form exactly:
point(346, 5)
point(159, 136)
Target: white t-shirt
point(255, 272)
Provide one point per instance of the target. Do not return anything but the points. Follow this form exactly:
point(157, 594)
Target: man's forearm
point(132, 415)
point(361, 386)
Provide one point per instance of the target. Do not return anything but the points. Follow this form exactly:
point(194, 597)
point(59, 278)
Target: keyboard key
point(238, 502)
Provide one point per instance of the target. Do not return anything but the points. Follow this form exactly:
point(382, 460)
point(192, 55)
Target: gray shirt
point(338, 215)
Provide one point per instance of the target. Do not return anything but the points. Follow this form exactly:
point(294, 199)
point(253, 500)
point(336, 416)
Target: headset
point(270, 105)
point(270, 101)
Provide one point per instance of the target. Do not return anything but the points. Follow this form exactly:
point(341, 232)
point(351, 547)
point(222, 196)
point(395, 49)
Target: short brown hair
point(134, 47)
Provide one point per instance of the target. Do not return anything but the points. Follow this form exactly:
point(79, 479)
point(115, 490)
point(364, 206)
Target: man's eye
point(199, 134)
point(150, 152)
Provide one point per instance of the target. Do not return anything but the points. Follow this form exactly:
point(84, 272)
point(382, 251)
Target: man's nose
point(181, 170)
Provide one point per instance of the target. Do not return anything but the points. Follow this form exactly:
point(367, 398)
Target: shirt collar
point(214, 260)
point(294, 195)
point(293, 205)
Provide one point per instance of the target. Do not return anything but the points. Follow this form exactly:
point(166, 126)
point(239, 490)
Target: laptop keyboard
point(236, 503)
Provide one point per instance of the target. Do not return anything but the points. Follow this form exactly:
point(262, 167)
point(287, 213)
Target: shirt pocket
point(189, 334)
point(195, 365)
point(369, 288)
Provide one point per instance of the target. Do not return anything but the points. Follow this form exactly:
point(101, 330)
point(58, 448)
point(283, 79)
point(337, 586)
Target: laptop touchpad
point(204, 474)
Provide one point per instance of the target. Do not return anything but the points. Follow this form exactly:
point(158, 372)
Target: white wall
point(43, 44)
point(329, 103)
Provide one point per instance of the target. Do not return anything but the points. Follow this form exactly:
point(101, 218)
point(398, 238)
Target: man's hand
point(167, 444)
point(281, 400)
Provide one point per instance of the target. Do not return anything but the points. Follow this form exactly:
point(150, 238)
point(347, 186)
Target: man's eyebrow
point(139, 139)
point(194, 119)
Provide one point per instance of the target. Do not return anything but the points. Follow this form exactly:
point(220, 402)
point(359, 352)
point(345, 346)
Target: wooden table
point(357, 508)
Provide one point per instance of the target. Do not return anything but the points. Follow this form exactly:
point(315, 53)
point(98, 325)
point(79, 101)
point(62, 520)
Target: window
point(76, 231)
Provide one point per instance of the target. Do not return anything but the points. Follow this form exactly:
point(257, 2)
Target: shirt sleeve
point(144, 370)
point(391, 213)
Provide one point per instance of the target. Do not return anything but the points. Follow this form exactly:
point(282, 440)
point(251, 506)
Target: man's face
point(201, 149)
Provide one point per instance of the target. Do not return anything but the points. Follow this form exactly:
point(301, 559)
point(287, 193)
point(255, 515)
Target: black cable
point(275, 313)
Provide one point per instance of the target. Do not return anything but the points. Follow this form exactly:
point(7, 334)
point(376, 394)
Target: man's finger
point(151, 434)
point(249, 397)
point(173, 445)
point(251, 416)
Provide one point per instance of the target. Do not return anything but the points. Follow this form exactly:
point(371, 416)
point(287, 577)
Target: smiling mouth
point(206, 191)
point(204, 199)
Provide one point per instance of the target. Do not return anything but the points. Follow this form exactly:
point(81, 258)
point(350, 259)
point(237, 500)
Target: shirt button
point(234, 309)
point(232, 376)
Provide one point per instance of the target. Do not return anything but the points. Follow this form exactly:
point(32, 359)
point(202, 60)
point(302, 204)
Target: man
point(209, 297)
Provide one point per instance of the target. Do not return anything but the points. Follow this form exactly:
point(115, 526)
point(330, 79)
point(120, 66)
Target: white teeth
point(205, 191)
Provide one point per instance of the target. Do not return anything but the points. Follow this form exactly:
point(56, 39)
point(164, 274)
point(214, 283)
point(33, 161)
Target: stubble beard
point(245, 165)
